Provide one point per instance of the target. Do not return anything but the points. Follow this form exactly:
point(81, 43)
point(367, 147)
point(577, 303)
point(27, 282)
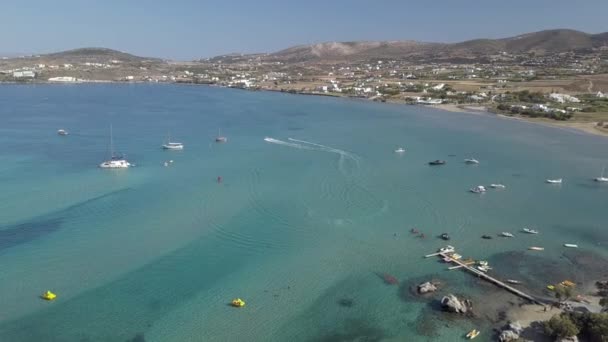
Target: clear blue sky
point(189, 29)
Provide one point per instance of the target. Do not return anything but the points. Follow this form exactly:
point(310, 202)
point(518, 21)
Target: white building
point(63, 79)
point(563, 98)
point(24, 74)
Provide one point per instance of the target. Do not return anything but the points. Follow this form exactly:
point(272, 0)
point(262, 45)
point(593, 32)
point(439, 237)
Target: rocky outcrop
point(511, 332)
point(427, 287)
point(508, 335)
point(569, 339)
point(451, 303)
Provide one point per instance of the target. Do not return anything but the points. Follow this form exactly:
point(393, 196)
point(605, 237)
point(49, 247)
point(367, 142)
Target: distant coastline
point(576, 126)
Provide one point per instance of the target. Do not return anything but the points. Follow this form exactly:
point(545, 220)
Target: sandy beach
point(586, 127)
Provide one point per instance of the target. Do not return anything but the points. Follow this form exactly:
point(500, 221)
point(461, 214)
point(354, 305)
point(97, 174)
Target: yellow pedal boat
point(472, 334)
point(48, 295)
point(237, 303)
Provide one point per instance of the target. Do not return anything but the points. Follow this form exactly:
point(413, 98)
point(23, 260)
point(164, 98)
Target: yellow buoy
point(48, 295)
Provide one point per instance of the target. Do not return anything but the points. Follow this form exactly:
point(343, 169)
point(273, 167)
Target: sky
point(192, 29)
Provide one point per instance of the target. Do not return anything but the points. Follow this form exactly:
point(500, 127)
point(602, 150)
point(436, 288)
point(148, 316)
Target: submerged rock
point(426, 287)
point(451, 303)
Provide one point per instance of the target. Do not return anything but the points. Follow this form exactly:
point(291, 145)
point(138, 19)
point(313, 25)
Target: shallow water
point(302, 222)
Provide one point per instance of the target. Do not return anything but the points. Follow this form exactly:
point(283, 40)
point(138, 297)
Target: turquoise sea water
point(301, 226)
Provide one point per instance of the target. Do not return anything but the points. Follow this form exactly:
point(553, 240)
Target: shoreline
point(474, 109)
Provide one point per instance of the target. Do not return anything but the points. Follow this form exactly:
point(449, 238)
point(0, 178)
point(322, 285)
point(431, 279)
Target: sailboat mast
point(111, 142)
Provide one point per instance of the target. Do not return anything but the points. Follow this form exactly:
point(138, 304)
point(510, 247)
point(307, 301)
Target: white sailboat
point(116, 161)
point(220, 138)
point(169, 145)
point(602, 178)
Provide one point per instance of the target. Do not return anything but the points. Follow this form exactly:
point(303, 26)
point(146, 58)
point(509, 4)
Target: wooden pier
point(483, 275)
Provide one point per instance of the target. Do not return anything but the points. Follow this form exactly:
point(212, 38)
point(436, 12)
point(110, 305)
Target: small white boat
point(62, 132)
point(484, 269)
point(482, 263)
point(529, 231)
point(497, 186)
point(400, 150)
point(533, 248)
point(554, 181)
point(478, 189)
point(116, 161)
point(506, 234)
point(570, 245)
point(511, 281)
point(601, 178)
point(471, 161)
point(456, 256)
point(446, 249)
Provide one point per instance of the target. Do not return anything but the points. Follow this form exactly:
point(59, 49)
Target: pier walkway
point(483, 275)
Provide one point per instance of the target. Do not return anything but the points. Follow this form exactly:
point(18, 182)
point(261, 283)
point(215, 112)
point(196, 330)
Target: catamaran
point(602, 178)
point(117, 161)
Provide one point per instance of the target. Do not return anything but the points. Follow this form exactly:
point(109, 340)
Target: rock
point(569, 339)
point(452, 304)
point(516, 327)
point(426, 287)
point(508, 335)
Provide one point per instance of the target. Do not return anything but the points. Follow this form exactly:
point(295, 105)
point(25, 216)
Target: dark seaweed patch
point(24, 232)
point(354, 330)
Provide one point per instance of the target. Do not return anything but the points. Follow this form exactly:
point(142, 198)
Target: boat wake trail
point(286, 143)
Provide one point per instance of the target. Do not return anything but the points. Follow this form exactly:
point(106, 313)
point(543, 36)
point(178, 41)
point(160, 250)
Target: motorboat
point(484, 269)
point(483, 263)
point(512, 281)
point(536, 248)
point(173, 146)
point(480, 189)
point(471, 161)
point(570, 245)
point(445, 236)
point(456, 256)
point(529, 231)
point(447, 249)
point(237, 303)
point(400, 150)
point(48, 295)
point(602, 178)
point(487, 237)
point(117, 161)
point(506, 234)
point(554, 181)
point(62, 132)
point(437, 162)
point(497, 186)
point(220, 138)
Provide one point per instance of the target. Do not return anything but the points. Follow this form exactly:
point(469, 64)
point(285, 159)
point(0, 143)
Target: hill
point(91, 55)
point(542, 42)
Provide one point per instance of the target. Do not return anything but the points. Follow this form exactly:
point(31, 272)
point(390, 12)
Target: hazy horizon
point(187, 30)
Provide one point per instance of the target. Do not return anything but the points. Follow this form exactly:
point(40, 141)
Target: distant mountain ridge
point(90, 54)
point(542, 42)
